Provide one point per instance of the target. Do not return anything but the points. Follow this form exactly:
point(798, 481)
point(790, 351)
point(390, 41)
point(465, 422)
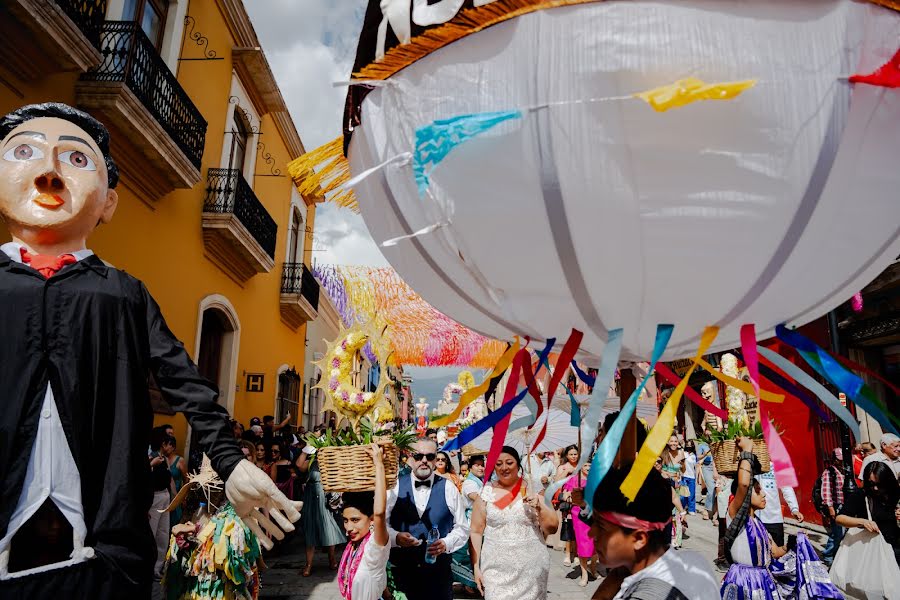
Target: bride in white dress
point(513, 563)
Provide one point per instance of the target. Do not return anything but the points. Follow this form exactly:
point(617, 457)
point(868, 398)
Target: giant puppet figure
point(79, 341)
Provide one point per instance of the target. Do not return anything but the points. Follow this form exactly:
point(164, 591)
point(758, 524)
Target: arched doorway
point(216, 353)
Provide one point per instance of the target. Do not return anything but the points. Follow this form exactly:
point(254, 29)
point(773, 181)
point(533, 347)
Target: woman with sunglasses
point(319, 527)
point(444, 468)
point(882, 493)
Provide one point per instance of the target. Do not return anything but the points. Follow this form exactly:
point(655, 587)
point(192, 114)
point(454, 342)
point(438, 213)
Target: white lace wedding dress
point(515, 562)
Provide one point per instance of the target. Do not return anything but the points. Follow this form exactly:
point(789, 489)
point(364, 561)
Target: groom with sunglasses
point(420, 501)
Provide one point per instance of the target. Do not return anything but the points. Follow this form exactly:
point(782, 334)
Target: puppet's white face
point(53, 181)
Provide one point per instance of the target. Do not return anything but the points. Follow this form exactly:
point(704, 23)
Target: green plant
point(403, 438)
point(732, 430)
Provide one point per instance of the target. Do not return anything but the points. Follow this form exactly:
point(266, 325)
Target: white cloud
point(310, 45)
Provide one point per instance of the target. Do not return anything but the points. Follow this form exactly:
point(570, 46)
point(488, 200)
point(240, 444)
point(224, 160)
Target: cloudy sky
point(310, 45)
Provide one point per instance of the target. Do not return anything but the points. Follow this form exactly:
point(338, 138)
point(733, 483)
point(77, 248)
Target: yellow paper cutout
point(740, 384)
point(691, 89)
point(470, 395)
point(665, 424)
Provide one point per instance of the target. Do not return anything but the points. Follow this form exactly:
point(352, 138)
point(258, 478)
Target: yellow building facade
point(207, 216)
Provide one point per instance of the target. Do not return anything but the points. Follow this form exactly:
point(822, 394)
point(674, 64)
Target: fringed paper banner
point(591, 423)
point(785, 474)
point(322, 171)
point(665, 425)
point(421, 335)
point(801, 377)
point(892, 4)
point(844, 380)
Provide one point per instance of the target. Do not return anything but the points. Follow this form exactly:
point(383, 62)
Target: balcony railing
point(130, 57)
point(88, 15)
point(298, 279)
point(228, 193)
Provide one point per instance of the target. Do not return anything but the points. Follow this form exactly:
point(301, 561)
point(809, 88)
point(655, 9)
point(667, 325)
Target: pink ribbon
point(502, 427)
point(666, 373)
point(785, 474)
point(629, 522)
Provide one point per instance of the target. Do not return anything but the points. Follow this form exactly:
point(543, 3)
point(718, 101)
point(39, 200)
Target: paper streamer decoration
point(785, 474)
point(502, 425)
point(533, 399)
point(691, 89)
point(801, 377)
point(473, 431)
point(858, 367)
point(663, 370)
point(887, 75)
point(665, 424)
point(469, 396)
point(435, 141)
point(844, 380)
point(421, 335)
point(591, 422)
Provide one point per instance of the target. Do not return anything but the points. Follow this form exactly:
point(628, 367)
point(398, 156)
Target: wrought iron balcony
point(88, 15)
point(38, 37)
point(237, 228)
point(299, 294)
point(130, 57)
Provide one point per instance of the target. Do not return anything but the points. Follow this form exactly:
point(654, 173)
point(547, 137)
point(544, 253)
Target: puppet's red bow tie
point(45, 264)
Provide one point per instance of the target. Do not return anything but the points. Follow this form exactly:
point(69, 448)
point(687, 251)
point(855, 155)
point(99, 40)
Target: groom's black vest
point(413, 575)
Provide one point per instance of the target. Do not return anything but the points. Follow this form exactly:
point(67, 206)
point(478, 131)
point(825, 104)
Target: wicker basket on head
point(726, 454)
point(350, 468)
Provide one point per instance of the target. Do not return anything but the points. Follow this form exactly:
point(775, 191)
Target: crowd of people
point(441, 531)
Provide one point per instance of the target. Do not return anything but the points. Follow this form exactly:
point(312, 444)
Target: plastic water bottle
point(433, 536)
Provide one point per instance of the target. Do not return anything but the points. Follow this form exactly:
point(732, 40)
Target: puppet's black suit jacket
point(95, 334)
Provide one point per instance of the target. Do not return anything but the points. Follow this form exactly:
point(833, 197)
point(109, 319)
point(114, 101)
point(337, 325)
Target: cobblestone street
point(283, 580)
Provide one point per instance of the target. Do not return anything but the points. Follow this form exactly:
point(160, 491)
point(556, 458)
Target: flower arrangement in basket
point(344, 459)
point(723, 444)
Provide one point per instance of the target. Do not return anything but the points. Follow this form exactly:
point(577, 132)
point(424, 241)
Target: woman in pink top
point(584, 544)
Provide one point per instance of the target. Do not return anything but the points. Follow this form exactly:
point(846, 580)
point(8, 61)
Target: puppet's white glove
point(250, 489)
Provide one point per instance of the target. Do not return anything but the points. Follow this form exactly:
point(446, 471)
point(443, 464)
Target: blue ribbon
point(474, 430)
point(606, 453)
point(790, 388)
point(833, 371)
point(435, 141)
point(814, 386)
point(608, 363)
point(584, 377)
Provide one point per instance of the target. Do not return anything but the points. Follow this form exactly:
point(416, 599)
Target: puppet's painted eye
point(78, 159)
point(23, 152)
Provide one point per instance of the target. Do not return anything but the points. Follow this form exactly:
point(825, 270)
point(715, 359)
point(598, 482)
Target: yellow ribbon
point(740, 384)
point(691, 89)
point(665, 424)
point(470, 395)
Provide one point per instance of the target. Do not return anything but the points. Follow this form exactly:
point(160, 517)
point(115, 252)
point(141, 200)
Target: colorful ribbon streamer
point(473, 431)
point(435, 141)
point(691, 89)
point(663, 370)
point(887, 75)
point(801, 377)
point(745, 387)
point(469, 396)
point(535, 393)
point(785, 384)
point(665, 424)
point(785, 474)
point(591, 422)
point(841, 378)
point(502, 426)
point(858, 367)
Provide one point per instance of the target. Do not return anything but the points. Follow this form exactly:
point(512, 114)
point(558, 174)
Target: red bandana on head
point(45, 264)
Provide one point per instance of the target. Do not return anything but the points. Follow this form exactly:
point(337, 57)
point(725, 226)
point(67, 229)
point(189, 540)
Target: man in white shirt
point(771, 515)
point(419, 502)
point(889, 455)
